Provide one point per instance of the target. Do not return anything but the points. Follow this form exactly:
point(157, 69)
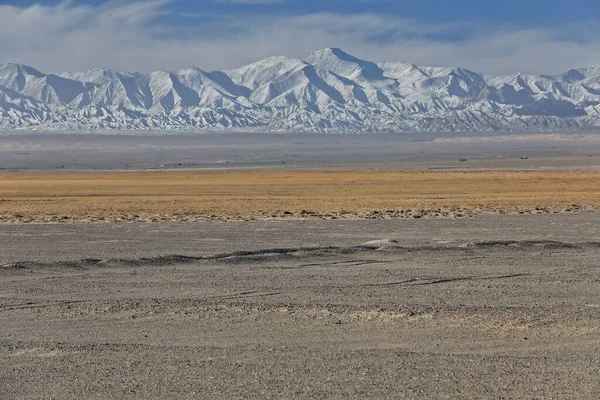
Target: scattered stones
point(400, 213)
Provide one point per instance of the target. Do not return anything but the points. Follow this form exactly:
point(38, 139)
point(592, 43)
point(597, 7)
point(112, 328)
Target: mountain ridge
point(329, 90)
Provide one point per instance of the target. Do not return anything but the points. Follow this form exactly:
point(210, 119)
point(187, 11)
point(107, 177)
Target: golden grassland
point(243, 195)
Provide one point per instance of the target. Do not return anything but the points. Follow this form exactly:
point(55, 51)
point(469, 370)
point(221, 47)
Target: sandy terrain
point(495, 306)
point(292, 194)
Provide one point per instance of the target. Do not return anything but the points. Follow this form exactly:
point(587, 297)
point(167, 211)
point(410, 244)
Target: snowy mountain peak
point(329, 52)
point(19, 68)
point(328, 90)
point(341, 63)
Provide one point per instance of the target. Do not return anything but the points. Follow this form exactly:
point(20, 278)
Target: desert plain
point(154, 196)
point(374, 279)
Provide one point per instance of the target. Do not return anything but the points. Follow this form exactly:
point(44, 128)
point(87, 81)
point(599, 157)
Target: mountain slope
point(327, 91)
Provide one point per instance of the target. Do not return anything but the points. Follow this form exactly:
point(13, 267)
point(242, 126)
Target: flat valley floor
point(242, 195)
point(300, 266)
point(494, 306)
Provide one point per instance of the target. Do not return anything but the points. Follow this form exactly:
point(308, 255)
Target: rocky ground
point(301, 215)
point(495, 306)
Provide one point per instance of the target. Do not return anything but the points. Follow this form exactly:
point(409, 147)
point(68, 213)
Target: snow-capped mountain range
point(327, 91)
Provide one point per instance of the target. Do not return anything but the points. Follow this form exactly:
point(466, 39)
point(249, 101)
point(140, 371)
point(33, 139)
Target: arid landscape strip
point(243, 195)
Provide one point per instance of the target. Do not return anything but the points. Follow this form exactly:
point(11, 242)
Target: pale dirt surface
point(416, 151)
point(495, 306)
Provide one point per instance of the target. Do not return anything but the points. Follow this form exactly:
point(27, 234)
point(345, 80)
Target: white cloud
point(128, 36)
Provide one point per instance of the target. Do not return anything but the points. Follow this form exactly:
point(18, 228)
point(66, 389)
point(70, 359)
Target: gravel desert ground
point(368, 276)
point(496, 306)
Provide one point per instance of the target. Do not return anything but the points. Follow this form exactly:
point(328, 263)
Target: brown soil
point(245, 195)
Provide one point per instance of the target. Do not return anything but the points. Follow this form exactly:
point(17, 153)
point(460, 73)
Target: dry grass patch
point(181, 196)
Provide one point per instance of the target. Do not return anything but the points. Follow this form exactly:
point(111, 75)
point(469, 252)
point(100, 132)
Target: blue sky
point(515, 12)
point(493, 36)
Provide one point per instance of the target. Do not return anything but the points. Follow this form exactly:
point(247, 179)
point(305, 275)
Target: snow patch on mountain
point(329, 90)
